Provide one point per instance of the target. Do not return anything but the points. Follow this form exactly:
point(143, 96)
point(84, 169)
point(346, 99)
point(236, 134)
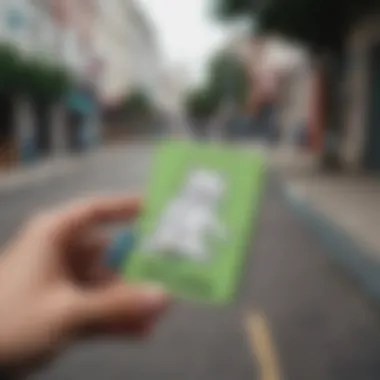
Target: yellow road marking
point(262, 346)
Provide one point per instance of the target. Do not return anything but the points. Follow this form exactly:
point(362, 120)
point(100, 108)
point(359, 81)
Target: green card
point(197, 222)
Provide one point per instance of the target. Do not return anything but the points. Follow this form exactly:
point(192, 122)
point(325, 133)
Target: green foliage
point(138, 103)
point(317, 23)
point(320, 24)
point(61, 81)
point(43, 81)
point(40, 80)
point(201, 103)
point(226, 80)
point(226, 9)
point(10, 66)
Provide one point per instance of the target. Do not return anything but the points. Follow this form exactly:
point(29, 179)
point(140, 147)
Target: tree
point(227, 9)
point(10, 64)
point(137, 104)
point(320, 24)
point(302, 20)
point(226, 81)
point(228, 77)
point(43, 81)
point(226, 85)
point(201, 103)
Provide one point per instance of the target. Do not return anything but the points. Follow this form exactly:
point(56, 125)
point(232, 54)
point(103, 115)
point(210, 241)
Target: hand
point(54, 285)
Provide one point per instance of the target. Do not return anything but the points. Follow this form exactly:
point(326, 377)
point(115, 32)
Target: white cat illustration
point(191, 217)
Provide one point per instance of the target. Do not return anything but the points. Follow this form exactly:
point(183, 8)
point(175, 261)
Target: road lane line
point(262, 346)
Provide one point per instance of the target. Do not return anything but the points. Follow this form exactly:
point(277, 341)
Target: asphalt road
point(297, 316)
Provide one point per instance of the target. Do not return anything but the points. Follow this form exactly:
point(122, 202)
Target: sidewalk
point(343, 210)
point(36, 173)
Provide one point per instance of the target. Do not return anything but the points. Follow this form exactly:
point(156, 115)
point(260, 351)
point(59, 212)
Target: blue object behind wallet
point(119, 249)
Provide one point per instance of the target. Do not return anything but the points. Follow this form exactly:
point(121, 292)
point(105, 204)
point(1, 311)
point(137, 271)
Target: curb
point(344, 250)
point(35, 174)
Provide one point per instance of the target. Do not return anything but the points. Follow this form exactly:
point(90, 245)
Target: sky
point(187, 33)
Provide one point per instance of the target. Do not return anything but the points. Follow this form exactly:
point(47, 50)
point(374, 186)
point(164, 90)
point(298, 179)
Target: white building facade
point(28, 25)
point(125, 43)
point(58, 31)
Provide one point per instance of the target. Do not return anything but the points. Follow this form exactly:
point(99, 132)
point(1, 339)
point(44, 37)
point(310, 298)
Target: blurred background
point(88, 86)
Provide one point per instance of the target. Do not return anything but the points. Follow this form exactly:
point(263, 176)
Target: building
point(170, 100)
point(109, 47)
point(28, 26)
point(126, 45)
point(278, 75)
point(294, 100)
point(144, 51)
point(346, 76)
point(59, 32)
point(77, 21)
point(344, 114)
point(361, 146)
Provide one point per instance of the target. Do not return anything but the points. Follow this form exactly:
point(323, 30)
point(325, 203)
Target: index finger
point(99, 210)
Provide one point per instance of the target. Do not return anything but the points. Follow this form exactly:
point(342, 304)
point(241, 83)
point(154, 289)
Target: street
point(296, 316)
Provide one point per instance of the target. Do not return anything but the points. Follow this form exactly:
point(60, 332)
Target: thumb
point(118, 301)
